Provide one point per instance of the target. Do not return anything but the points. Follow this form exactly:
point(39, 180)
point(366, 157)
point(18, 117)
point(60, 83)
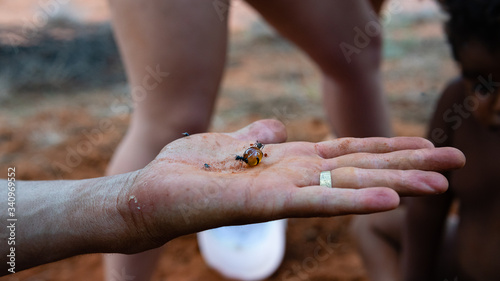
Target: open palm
point(195, 183)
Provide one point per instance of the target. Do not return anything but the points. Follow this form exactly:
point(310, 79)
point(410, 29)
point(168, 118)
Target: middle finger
point(435, 159)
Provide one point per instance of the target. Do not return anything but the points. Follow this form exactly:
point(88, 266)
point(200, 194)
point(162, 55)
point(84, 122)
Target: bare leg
point(378, 237)
point(187, 40)
point(352, 88)
point(352, 93)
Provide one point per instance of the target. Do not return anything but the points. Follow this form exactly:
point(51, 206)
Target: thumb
point(264, 131)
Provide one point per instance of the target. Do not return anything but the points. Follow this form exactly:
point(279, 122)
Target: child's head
point(473, 31)
point(472, 20)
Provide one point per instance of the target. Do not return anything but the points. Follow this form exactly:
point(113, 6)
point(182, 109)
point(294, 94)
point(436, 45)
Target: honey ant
point(253, 155)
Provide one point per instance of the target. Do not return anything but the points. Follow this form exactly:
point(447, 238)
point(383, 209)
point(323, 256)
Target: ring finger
point(410, 182)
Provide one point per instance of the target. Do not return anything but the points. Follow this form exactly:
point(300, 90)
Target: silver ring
point(325, 179)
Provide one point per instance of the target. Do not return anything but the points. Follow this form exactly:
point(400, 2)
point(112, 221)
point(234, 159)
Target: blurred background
point(65, 105)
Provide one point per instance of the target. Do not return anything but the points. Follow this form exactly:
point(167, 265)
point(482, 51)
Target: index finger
point(343, 146)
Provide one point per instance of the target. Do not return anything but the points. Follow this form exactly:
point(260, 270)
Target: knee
point(355, 58)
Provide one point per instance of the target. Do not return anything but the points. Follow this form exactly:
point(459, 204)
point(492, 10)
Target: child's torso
point(477, 186)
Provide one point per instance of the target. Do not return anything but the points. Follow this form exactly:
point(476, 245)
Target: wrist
point(103, 219)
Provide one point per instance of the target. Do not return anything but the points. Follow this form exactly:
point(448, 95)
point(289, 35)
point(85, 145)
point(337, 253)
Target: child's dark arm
point(426, 217)
point(425, 222)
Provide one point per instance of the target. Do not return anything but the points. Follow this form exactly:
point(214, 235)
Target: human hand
point(177, 193)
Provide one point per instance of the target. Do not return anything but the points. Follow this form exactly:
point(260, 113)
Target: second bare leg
point(352, 88)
